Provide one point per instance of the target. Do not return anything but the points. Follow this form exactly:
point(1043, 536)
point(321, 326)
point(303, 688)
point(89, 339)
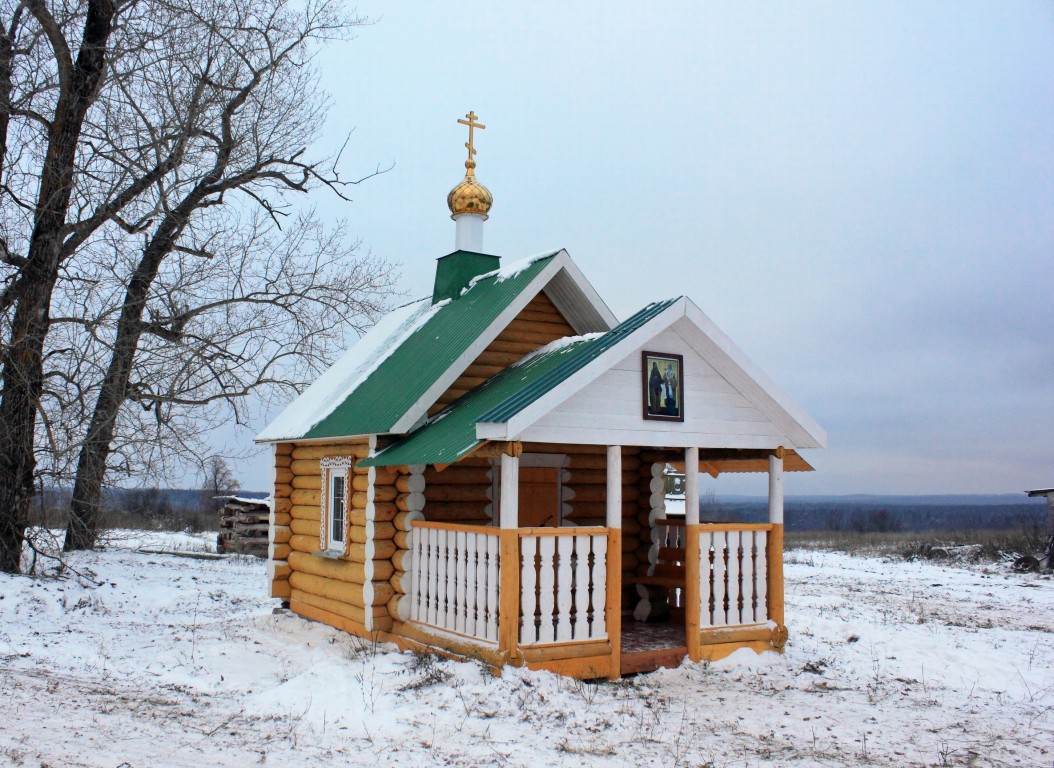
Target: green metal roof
point(390, 390)
point(452, 433)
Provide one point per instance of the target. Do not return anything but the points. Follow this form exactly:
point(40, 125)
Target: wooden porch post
point(509, 578)
point(613, 609)
point(692, 566)
point(775, 554)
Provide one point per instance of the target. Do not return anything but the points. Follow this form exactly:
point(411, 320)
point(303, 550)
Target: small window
point(333, 530)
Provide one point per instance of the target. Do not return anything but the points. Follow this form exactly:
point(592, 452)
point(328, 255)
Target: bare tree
point(197, 114)
point(219, 482)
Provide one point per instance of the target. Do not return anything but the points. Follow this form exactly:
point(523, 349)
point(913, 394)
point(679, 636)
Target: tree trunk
point(22, 370)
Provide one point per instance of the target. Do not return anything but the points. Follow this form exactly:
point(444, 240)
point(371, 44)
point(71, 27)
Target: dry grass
point(966, 545)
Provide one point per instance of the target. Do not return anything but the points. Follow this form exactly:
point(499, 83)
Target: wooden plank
point(774, 563)
point(586, 668)
point(485, 530)
point(693, 593)
point(509, 593)
point(613, 601)
point(571, 650)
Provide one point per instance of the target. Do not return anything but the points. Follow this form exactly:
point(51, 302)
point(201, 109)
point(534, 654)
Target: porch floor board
point(649, 646)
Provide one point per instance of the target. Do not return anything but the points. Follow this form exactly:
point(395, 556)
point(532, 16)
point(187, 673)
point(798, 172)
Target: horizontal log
point(403, 520)
point(538, 338)
point(305, 543)
point(397, 582)
point(401, 560)
point(306, 466)
point(600, 477)
point(586, 649)
point(344, 591)
point(554, 327)
point(282, 518)
point(589, 461)
point(280, 588)
point(279, 551)
point(395, 607)
point(353, 612)
point(410, 484)
point(313, 482)
point(473, 650)
point(545, 316)
point(598, 493)
point(570, 450)
point(304, 527)
point(283, 490)
point(383, 512)
point(459, 474)
point(338, 568)
point(484, 371)
point(629, 561)
point(282, 505)
point(402, 539)
point(382, 550)
point(357, 533)
point(283, 449)
point(280, 534)
point(306, 497)
point(282, 461)
point(475, 493)
point(306, 512)
point(327, 450)
point(283, 475)
point(455, 511)
point(491, 357)
point(328, 618)
point(507, 345)
point(279, 570)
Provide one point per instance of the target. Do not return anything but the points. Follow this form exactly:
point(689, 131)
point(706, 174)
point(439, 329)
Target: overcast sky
point(860, 194)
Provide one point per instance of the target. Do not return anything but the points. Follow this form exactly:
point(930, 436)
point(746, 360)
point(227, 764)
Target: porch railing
point(454, 584)
point(563, 585)
point(733, 574)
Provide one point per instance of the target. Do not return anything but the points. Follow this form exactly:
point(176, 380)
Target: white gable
point(728, 402)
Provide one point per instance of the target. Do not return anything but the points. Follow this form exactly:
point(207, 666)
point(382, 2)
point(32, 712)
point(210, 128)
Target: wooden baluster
point(564, 596)
point(528, 584)
point(720, 576)
point(492, 588)
point(581, 626)
point(598, 580)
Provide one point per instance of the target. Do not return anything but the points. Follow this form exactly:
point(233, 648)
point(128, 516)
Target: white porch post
point(776, 487)
point(510, 491)
point(509, 520)
point(613, 609)
point(774, 556)
point(693, 586)
point(691, 486)
point(614, 489)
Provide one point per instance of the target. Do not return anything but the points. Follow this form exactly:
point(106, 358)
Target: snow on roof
point(510, 270)
point(557, 345)
point(334, 385)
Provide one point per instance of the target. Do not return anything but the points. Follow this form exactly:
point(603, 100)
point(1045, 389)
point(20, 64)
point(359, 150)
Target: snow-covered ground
point(162, 660)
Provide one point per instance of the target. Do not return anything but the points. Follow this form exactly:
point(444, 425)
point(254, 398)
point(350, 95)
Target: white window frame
point(333, 469)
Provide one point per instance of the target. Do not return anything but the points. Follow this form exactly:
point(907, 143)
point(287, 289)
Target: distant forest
point(177, 508)
point(884, 514)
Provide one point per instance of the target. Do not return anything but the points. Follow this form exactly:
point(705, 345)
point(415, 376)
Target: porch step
point(648, 661)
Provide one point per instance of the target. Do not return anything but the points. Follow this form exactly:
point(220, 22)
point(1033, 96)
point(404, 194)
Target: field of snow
point(146, 659)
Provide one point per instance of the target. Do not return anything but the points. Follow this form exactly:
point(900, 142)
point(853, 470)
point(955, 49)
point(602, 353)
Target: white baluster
point(735, 576)
point(564, 548)
point(761, 569)
point(451, 580)
point(471, 601)
point(528, 582)
point(492, 589)
point(599, 579)
point(461, 609)
point(433, 575)
point(546, 589)
point(581, 627)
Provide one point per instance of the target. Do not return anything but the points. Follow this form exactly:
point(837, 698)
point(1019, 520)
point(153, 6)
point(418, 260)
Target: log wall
point(539, 323)
point(356, 587)
point(279, 529)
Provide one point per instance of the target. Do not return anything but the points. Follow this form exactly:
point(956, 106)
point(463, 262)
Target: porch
point(557, 598)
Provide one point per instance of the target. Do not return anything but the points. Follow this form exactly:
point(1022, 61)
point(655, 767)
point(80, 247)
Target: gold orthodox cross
point(471, 123)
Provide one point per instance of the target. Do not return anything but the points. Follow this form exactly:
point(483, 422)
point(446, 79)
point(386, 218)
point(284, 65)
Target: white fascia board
point(491, 430)
point(589, 293)
point(592, 371)
point(731, 362)
point(419, 409)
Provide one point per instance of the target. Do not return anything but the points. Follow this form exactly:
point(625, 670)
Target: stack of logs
point(243, 527)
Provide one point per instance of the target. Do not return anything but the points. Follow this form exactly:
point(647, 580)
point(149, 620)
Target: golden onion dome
point(469, 196)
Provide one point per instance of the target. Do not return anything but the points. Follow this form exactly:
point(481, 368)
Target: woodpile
point(243, 527)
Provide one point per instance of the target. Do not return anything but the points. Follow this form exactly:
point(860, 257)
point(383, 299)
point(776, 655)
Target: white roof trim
point(561, 261)
point(713, 346)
